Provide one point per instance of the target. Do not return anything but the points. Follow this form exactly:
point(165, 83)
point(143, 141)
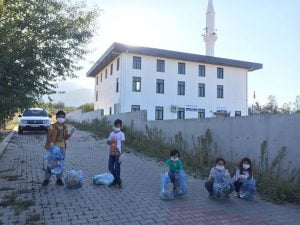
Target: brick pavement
point(137, 203)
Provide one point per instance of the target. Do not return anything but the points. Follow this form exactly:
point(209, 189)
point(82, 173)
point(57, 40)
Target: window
point(110, 110)
point(116, 108)
point(180, 113)
point(96, 80)
point(111, 69)
point(96, 96)
point(220, 73)
point(160, 86)
point(201, 113)
point(220, 91)
point(118, 64)
point(137, 62)
point(181, 88)
point(105, 73)
point(117, 85)
point(135, 108)
point(181, 68)
point(136, 84)
point(101, 77)
point(201, 71)
point(159, 113)
point(238, 113)
point(201, 90)
point(160, 65)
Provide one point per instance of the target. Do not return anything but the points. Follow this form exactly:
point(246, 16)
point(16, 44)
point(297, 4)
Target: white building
point(170, 84)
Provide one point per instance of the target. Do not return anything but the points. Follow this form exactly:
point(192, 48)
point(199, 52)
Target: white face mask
point(173, 158)
point(60, 120)
point(117, 129)
point(246, 166)
point(220, 167)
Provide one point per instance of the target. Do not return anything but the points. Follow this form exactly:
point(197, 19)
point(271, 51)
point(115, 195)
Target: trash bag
point(222, 189)
point(103, 179)
point(54, 161)
point(74, 178)
point(180, 183)
point(167, 188)
point(248, 189)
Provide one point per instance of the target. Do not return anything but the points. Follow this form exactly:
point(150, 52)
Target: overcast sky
point(263, 31)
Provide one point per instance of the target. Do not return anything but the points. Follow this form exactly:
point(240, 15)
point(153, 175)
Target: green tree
point(87, 107)
point(41, 43)
point(297, 104)
point(286, 108)
point(271, 106)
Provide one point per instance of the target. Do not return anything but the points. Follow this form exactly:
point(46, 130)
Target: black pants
point(237, 186)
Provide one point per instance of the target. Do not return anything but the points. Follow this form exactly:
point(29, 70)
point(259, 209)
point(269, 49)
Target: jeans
point(48, 172)
point(114, 166)
point(237, 186)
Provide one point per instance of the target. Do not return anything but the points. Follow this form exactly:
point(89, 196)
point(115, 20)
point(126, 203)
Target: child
point(219, 178)
point(174, 175)
point(115, 141)
point(242, 175)
point(57, 136)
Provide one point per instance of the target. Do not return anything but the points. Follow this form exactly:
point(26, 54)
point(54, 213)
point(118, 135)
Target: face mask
point(117, 129)
point(220, 167)
point(174, 158)
point(246, 166)
point(61, 120)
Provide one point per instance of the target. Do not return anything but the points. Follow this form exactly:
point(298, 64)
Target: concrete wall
point(233, 138)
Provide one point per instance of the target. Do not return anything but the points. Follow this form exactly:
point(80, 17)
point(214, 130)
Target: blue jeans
point(114, 166)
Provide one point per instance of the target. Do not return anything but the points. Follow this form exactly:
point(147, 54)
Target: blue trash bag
point(167, 188)
point(74, 178)
point(248, 189)
point(54, 161)
point(180, 183)
point(103, 179)
point(222, 189)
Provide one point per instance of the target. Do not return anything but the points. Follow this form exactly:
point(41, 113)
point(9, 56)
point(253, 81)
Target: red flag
point(254, 95)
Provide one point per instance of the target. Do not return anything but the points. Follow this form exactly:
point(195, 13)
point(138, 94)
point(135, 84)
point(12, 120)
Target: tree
point(87, 107)
point(297, 104)
point(286, 108)
point(271, 106)
point(41, 43)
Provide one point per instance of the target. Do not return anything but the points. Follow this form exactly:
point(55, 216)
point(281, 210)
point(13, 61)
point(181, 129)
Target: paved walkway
point(137, 203)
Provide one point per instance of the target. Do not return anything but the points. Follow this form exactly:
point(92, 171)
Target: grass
point(11, 124)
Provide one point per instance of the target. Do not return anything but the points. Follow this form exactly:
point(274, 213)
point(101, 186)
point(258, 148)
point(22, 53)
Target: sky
point(262, 31)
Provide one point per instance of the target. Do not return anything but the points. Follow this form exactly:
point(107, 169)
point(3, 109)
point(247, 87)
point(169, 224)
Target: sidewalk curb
point(5, 142)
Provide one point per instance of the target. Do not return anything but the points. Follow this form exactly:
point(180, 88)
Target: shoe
point(237, 194)
point(45, 183)
point(120, 184)
point(59, 182)
point(113, 183)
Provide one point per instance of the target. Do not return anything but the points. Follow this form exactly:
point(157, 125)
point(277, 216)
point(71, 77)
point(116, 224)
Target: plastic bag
point(248, 189)
point(180, 183)
point(167, 188)
point(103, 179)
point(222, 189)
point(74, 178)
point(54, 161)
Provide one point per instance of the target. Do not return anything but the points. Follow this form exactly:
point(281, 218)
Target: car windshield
point(35, 113)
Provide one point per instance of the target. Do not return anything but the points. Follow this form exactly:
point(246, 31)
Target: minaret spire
point(210, 36)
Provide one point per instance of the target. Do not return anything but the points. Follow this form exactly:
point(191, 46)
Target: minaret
point(210, 35)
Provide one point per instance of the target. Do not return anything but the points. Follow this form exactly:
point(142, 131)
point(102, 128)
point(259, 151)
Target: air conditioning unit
point(174, 108)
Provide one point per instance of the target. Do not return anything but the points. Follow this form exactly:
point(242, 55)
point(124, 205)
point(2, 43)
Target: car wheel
point(20, 130)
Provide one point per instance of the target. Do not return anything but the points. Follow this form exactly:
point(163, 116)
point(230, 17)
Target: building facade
point(170, 84)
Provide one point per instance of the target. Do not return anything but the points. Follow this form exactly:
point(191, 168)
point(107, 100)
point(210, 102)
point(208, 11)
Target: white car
point(34, 119)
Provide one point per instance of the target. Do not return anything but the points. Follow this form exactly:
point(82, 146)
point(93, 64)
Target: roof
point(117, 48)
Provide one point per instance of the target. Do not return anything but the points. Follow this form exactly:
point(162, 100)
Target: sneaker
point(59, 182)
point(113, 183)
point(237, 194)
point(45, 183)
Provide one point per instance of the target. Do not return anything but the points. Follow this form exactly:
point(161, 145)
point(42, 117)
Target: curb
point(5, 142)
